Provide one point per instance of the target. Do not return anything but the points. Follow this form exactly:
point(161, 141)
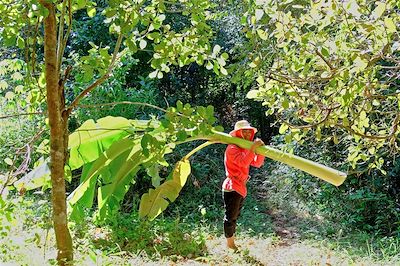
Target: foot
point(230, 242)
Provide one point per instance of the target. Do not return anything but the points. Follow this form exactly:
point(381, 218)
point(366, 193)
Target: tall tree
point(334, 74)
point(136, 25)
point(58, 119)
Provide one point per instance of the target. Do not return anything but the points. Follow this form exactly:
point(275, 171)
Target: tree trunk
point(58, 123)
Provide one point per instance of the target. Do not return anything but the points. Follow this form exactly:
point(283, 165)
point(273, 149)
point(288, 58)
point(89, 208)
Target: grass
point(125, 240)
point(275, 228)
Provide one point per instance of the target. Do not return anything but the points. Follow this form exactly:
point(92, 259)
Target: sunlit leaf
point(38, 177)
point(3, 84)
point(142, 44)
point(390, 26)
point(17, 76)
point(252, 94)
point(262, 34)
point(259, 14)
point(92, 139)
point(225, 56)
point(153, 172)
point(181, 172)
point(20, 42)
point(42, 80)
point(325, 52)
point(9, 95)
point(8, 161)
point(153, 74)
point(379, 10)
point(283, 128)
point(223, 71)
point(216, 49)
point(91, 12)
point(156, 201)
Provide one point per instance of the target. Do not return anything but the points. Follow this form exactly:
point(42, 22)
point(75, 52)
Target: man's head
point(244, 130)
point(247, 134)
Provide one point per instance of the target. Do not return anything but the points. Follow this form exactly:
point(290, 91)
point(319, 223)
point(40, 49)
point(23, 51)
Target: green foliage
point(139, 26)
point(119, 147)
point(17, 91)
point(85, 145)
point(367, 203)
point(164, 237)
point(333, 72)
point(85, 191)
point(114, 149)
point(25, 221)
point(124, 239)
point(6, 216)
point(20, 144)
point(39, 177)
point(124, 87)
point(155, 201)
point(91, 139)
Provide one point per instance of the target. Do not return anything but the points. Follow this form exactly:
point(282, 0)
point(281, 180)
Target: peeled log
point(321, 171)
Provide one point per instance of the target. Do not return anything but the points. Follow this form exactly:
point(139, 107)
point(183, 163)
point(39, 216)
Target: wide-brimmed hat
point(242, 124)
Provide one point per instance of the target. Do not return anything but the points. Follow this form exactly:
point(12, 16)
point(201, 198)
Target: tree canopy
point(334, 72)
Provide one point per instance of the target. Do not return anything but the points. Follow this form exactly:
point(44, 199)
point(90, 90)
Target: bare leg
point(230, 242)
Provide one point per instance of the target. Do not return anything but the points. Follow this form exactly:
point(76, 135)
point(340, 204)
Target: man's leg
point(233, 202)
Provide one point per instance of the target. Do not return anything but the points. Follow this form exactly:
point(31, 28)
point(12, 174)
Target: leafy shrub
point(15, 135)
point(160, 238)
point(26, 222)
point(114, 90)
point(6, 216)
point(364, 202)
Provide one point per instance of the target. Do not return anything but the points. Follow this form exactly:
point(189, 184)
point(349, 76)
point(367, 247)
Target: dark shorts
point(233, 203)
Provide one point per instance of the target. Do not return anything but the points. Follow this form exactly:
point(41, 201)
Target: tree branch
point(60, 36)
point(325, 60)
point(64, 44)
point(26, 41)
point(22, 114)
point(21, 169)
point(310, 125)
point(98, 81)
point(347, 22)
point(123, 102)
point(33, 57)
point(376, 58)
point(205, 144)
point(391, 134)
point(66, 75)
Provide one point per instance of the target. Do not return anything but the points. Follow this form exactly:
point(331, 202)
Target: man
point(237, 165)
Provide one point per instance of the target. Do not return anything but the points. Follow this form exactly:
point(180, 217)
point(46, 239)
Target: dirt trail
point(263, 251)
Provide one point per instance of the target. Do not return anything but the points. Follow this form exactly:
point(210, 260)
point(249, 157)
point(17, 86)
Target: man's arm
point(239, 157)
point(258, 161)
point(245, 158)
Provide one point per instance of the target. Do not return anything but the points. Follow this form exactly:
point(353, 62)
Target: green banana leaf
point(157, 200)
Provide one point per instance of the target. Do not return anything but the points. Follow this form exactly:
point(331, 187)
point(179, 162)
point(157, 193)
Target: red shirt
point(237, 166)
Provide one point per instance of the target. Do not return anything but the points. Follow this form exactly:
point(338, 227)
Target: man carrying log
point(237, 164)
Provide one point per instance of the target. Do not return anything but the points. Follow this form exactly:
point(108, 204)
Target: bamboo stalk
point(321, 171)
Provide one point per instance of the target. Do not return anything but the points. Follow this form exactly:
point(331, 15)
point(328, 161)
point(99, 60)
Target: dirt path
point(263, 251)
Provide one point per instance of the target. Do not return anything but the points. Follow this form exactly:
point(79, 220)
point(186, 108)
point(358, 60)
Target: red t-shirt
point(237, 166)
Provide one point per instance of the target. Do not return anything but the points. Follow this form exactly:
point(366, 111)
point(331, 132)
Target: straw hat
point(242, 124)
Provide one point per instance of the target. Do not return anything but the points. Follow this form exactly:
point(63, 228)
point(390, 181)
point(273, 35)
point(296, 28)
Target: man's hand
point(257, 143)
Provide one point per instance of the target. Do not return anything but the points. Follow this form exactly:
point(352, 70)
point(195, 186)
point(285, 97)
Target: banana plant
point(111, 151)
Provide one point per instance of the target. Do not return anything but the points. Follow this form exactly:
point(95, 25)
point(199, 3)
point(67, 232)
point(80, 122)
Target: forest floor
point(265, 236)
point(284, 247)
